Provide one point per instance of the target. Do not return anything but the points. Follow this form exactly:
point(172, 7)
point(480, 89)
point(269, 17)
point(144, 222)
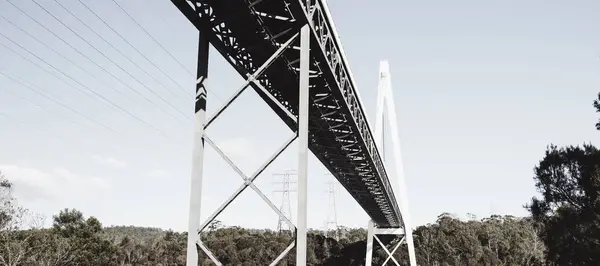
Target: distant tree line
point(562, 230)
point(75, 240)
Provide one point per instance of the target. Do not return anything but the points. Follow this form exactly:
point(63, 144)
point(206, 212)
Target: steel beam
point(372, 232)
point(197, 153)
point(370, 235)
point(393, 251)
point(390, 254)
point(302, 228)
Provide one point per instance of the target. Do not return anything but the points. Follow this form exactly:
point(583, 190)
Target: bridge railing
point(322, 26)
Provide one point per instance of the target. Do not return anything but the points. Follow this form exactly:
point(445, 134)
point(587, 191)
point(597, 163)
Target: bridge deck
point(247, 33)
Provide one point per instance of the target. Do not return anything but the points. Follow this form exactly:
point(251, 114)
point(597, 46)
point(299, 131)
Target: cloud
point(109, 161)
point(32, 184)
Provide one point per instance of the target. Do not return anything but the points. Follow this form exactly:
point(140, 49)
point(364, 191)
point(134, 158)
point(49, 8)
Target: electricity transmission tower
point(331, 220)
point(285, 189)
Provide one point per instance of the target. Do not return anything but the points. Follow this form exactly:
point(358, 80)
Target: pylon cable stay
point(201, 137)
point(385, 98)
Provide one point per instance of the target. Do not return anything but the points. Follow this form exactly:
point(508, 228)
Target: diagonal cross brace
point(283, 254)
point(252, 79)
point(393, 251)
point(248, 181)
point(390, 254)
point(372, 233)
point(208, 253)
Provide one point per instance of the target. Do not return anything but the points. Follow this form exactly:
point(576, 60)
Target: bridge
point(289, 53)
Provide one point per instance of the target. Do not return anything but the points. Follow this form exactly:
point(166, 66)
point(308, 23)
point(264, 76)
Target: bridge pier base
point(372, 232)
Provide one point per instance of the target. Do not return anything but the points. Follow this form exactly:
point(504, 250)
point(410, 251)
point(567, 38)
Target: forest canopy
point(75, 239)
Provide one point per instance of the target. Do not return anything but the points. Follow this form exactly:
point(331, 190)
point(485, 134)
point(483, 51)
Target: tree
point(77, 240)
point(568, 211)
point(215, 224)
point(15, 245)
point(83, 238)
point(597, 106)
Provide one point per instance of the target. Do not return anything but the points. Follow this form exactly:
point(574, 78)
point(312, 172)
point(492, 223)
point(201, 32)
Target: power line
point(109, 59)
point(32, 87)
point(189, 93)
point(116, 49)
point(76, 81)
point(53, 100)
point(152, 37)
point(159, 44)
point(69, 141)
point(64, 57)
point(85, 56)
point(36, 104)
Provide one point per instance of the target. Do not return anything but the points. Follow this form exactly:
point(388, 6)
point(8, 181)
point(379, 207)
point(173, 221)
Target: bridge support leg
point(200, 138)
point(197, 153)
point(372, 233)
point(301, 232)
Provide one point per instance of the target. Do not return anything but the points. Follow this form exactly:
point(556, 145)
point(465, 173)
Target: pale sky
point(481, 88)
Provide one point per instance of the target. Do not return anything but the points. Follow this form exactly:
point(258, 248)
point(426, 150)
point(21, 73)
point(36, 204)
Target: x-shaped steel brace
point(248, 180)
point(390, 254)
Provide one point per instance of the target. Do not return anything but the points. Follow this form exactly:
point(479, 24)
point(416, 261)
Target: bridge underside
point(247, 33)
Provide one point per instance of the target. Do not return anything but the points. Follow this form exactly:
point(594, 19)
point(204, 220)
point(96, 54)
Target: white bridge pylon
point(195, 228)
point(385, 98)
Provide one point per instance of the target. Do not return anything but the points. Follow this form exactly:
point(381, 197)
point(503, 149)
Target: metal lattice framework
point(259, 40)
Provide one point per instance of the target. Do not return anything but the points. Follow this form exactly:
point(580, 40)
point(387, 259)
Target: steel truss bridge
point(289, 53)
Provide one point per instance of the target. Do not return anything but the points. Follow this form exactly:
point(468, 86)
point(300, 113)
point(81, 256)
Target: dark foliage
point(74, 239)
point(569, 181)
point(597, 106)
